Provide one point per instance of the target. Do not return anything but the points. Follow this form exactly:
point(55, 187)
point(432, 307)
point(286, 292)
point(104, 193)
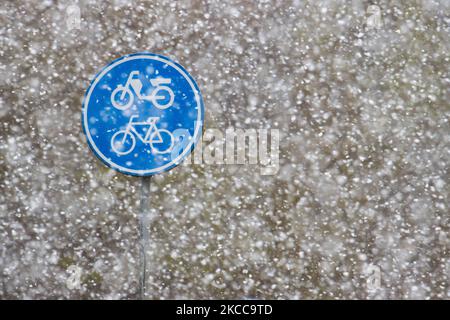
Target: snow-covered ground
point(359, 91)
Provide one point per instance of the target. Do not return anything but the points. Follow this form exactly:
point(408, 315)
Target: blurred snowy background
point(359, 208)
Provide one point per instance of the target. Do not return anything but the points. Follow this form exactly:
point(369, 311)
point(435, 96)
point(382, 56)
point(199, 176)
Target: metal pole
point(143, 230)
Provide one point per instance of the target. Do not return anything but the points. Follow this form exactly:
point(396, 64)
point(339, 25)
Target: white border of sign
point(174, 162)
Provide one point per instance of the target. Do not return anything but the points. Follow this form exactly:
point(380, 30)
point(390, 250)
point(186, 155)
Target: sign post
point(142, 115)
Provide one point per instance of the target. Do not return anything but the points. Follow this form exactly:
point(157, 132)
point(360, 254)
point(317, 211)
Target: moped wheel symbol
point(123, 142)
point(160, 94)
point(122, 98)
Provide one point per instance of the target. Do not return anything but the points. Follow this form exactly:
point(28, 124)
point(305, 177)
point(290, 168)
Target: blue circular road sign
point(142, 114)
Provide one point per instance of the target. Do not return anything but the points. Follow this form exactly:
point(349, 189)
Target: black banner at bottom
point(222, 309)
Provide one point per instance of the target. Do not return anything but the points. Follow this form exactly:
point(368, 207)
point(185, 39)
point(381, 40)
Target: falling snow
point(359, 208)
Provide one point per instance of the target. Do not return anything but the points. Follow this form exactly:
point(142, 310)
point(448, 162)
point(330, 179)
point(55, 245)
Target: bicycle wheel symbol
point(164, 137)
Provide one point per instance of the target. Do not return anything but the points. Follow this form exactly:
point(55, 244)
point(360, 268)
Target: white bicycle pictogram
point(124, 141)
point(126, 97)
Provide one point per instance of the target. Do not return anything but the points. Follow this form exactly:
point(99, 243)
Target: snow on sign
point(142, 114)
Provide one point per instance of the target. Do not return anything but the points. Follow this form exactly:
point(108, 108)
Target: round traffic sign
point(142, 114)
